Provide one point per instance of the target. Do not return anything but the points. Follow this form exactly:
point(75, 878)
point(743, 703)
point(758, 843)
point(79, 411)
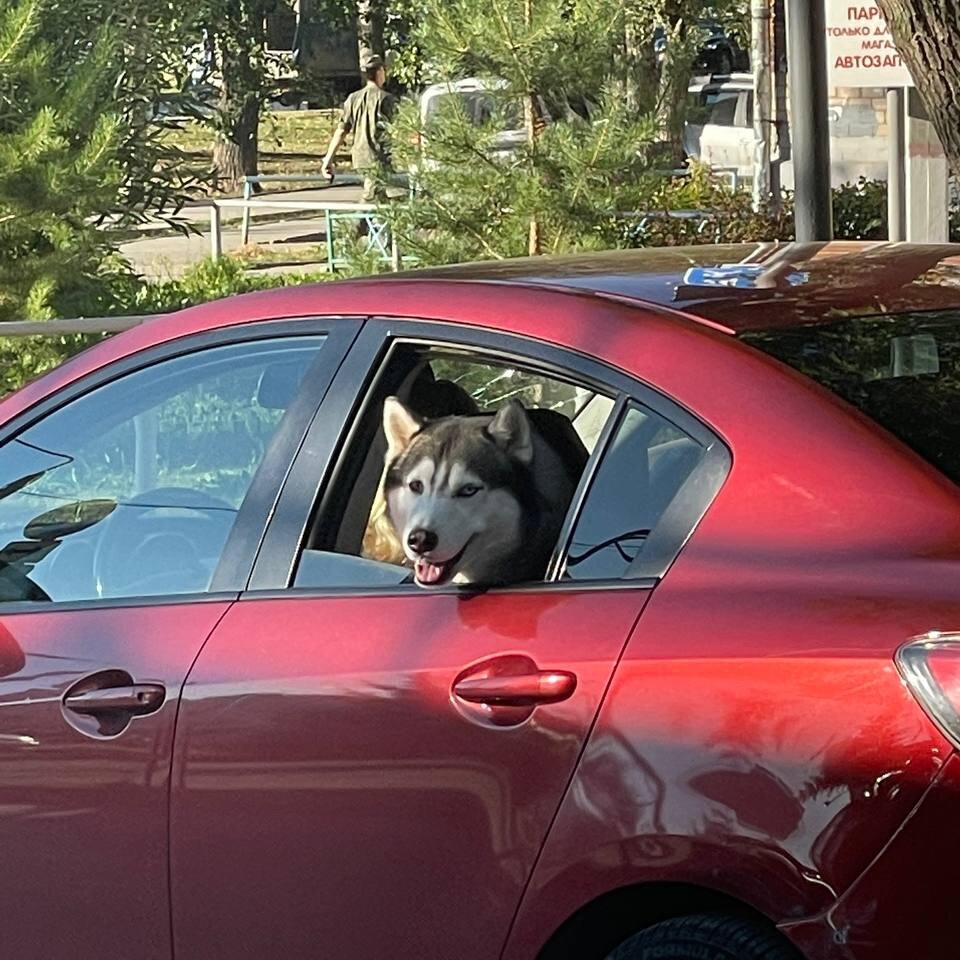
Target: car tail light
point(931, 667)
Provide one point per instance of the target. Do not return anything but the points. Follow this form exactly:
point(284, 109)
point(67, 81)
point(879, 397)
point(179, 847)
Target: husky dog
point(479, 499)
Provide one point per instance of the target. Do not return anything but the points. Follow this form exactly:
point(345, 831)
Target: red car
point(722, 725)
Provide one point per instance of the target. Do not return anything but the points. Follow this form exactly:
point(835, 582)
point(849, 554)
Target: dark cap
point(373, 62)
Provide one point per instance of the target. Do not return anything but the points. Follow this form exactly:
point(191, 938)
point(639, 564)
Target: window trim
point(558, 559)
point(310, 482)
point(239, 551)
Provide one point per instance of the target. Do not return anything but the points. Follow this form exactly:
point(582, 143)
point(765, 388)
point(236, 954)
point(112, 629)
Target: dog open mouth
point(430, 574)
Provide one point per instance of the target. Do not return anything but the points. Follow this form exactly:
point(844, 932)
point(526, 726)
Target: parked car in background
point(482, 101)
point(719, 132)
point(719, 53)
point(723, 722)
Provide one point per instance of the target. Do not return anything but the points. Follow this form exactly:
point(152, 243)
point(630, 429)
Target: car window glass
point(901, 370)
point(479, 106)
point(133, 488)
point(724, 109)
point(568, 416)
point(641, 471)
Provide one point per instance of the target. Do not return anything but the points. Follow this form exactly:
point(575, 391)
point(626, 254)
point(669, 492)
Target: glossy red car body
point(739, 738)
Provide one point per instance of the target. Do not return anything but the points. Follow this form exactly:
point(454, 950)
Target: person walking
point(366, 114)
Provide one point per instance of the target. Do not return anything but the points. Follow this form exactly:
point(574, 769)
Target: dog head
point(455, 490)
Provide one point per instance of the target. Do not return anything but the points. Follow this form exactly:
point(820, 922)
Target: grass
point(291, 141)
point(255, 255)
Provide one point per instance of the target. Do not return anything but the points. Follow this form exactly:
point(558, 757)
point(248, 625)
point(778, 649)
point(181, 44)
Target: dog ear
point(510, 430)
point(399, 426)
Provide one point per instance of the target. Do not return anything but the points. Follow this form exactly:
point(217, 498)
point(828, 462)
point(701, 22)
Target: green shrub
point(860, 210)
point(121, 294)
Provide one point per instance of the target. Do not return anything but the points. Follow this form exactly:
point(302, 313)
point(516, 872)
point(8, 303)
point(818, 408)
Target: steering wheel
point(165, 540)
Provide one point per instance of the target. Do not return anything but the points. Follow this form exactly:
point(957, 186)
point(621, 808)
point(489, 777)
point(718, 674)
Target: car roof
point(724, 81)
point(464, 85)
point(744, 287)
point(732, 288)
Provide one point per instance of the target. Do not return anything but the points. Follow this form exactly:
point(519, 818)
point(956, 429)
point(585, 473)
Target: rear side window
point(902, 371)
point(641, 472)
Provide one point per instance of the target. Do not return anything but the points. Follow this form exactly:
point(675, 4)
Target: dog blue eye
point(468, 490)
point(416, 486)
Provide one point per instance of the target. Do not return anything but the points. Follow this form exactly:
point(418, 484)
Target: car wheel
point(704, 937)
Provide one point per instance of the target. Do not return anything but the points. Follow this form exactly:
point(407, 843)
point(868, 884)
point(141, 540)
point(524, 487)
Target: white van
point(719, 132)
point(480, 101)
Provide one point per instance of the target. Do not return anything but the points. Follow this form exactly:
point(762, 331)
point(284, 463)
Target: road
point(165, 256)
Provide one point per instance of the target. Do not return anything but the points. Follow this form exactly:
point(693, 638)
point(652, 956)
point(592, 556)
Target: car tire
point(704, 937)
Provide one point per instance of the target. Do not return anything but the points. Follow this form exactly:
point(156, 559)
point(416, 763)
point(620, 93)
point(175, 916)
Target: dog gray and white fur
point(479, 499)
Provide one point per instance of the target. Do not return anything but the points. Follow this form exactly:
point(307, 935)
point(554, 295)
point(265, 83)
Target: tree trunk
point(781, 124)
point(235, 151)
point(533, 124)
point(238, 50)
point(675, 73)
point(370, 25)
point(927, 35)
point(761, 56)
point(641, 73)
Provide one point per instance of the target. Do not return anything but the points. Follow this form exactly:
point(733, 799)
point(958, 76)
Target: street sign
point(860, 48)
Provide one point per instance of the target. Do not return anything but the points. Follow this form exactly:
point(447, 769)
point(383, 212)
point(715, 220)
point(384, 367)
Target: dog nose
point(422, 541)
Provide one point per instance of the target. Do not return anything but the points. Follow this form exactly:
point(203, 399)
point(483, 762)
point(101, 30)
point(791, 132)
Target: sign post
point(813, 202)
point(896, 166)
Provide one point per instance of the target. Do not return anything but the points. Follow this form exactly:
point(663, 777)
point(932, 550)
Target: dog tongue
point(428, 572)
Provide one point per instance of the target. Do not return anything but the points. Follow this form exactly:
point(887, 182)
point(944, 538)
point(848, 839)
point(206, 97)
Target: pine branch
point(24, 21)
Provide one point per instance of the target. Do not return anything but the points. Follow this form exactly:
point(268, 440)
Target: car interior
point(433, 384)
point(644, 464)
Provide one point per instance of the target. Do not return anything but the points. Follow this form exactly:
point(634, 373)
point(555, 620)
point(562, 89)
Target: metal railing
point(249, 182)
point(333, 210)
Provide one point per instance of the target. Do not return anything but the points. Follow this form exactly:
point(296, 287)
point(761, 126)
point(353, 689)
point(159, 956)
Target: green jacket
point(366, 115)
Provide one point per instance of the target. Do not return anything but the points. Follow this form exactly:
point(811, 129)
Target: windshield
point(902, 371)
point(480, 106)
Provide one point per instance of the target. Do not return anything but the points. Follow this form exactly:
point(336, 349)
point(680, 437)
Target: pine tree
point(586, 159)
point(57, 167)
point(77, 145)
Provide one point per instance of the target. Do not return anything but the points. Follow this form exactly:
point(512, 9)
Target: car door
point(726, 140)
point(130, 507)
point(367, 768)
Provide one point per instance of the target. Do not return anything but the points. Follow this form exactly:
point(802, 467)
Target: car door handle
point(518, 690)
point(135, 699)
point(103, 704)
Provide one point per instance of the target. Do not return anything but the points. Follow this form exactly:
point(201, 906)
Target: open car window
point(624, 464)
